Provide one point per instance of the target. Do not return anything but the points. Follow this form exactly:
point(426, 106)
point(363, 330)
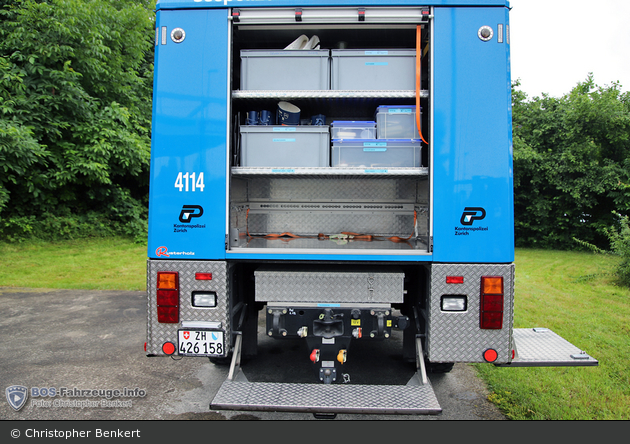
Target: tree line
point(571, 165)
point(75, 117)
point(75, 130)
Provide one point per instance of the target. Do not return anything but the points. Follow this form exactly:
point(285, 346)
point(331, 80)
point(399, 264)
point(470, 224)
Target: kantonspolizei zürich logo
point(16, 396)
point(471, 214)
point(188, 213)
point(468, 219)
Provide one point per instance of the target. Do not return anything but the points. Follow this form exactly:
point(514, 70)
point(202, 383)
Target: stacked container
point(389, 141)
point(285, 146)
point(376, 153)
point(323, 69)
point(285, 70)
point(378, 70)
point(396, 122)
point(346, 129)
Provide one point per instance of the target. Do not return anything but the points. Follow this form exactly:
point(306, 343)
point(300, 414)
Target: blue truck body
point(472, 147)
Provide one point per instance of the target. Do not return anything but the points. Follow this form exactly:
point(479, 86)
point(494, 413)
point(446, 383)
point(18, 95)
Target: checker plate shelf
point(541, 347)
point(327, 398)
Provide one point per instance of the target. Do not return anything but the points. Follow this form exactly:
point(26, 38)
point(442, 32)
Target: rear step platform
point(541, 347)
point(240, 394)
point(415, 398)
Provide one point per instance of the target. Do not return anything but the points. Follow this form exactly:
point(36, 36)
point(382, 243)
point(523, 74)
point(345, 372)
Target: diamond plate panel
point(342, 189)
point(327, 285)
point(456, 336)
point(158, 333)
point(312, 223)
point(327, 398)
point(537, 347)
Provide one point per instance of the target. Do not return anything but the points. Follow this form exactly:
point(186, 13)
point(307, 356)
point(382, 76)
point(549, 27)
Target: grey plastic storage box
point(291, 70)
point(350, 129)
point(376, 153)
point(285, 146)
point(376, 70)
point(396, 122)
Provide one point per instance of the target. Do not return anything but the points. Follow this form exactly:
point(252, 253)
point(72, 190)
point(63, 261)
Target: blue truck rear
point(332, 236)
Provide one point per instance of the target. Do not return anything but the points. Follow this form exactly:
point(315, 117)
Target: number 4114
point(189, 182)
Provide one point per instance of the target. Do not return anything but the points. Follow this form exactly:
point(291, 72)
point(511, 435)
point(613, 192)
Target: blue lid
point(354, 123)
point(393, 108)
point(376, 141)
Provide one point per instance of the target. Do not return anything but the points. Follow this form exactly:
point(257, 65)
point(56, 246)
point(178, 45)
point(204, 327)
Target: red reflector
point(168, 315)
point(203, 276)
point(492, 302)
point(491, 320)
point(168, 348)
point(168, 297)
point(490, 355)
point(454, 279)
point(491, 310)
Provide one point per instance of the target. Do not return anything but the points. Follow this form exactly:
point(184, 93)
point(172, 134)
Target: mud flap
point(541, 347)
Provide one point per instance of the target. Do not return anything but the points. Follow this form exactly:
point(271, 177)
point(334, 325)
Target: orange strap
point(399, 239)
point(418, 77)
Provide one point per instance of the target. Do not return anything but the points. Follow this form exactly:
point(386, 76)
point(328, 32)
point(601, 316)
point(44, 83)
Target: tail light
point(491, 310)
point(168, 297)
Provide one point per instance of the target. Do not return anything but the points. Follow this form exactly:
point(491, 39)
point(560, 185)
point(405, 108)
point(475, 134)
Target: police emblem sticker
point(16, 396)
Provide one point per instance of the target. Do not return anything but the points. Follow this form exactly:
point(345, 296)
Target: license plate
point(200, 343)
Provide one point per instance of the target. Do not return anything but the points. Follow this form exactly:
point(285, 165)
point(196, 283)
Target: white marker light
point(204, 299)
point(453, 303)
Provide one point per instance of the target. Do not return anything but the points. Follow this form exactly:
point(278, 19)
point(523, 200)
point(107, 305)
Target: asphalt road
point(93, 340)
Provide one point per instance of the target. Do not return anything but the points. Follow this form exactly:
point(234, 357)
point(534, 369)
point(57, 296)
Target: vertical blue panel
point(473, 194)
point(189, 137)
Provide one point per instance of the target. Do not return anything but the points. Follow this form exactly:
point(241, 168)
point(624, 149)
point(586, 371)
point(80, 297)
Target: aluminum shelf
point(329, 171)
point(326, 94)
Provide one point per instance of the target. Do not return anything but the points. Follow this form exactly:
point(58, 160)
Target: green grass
point(573, 294)
point(90, 264)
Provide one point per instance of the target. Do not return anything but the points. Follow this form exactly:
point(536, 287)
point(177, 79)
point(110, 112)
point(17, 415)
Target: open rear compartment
point(341, 177)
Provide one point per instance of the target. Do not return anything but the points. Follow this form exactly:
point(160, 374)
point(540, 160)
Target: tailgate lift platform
point(541, 347)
